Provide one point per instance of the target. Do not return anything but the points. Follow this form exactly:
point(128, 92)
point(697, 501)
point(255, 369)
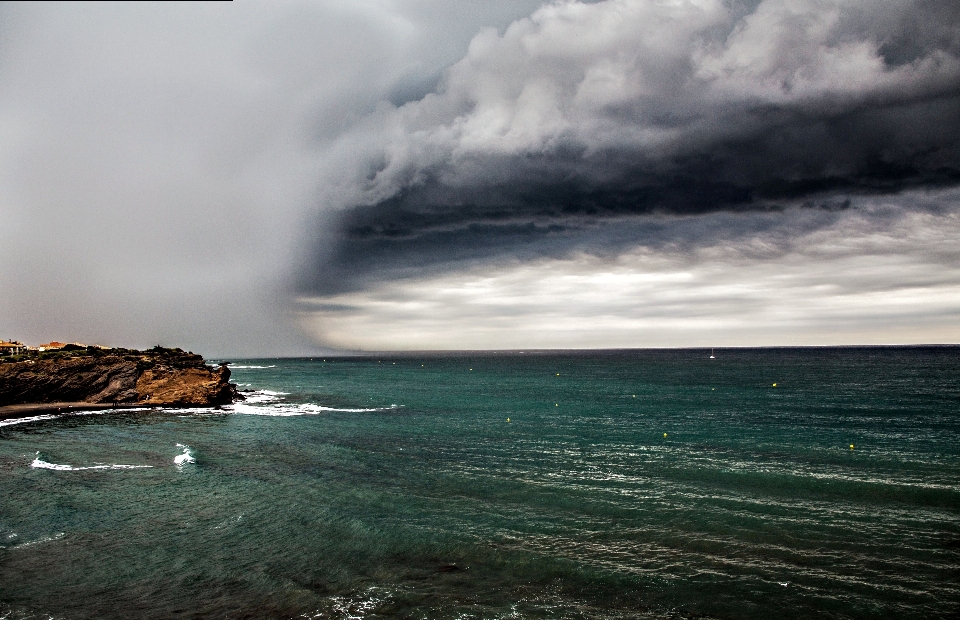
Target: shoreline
point(26, 410)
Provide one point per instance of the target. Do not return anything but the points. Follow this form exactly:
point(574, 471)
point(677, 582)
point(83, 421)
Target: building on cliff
point(11, 347)
point(51, 346)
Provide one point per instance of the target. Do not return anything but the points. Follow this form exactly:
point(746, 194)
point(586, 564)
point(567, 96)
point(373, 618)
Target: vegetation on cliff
point(158, 376)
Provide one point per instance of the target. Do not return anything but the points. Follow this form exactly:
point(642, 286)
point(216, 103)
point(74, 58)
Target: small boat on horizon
point(712, 356)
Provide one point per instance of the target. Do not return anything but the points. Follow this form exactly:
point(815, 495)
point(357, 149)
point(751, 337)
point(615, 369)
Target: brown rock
point(163, 377)
point(163, 385)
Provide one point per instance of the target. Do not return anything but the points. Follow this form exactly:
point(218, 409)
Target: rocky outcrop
point(183, 387)
point(158, 377)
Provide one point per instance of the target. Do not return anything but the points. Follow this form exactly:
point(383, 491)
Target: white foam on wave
point(192, 411)
point(36, 418)
point(256, 402)
point(39, 463)
point(229, 522)
point(232, 366)
point(56, 416)
point(262, 396)
point(284, 410)
point(39, 541)
point(354, 607)
point(185, 457)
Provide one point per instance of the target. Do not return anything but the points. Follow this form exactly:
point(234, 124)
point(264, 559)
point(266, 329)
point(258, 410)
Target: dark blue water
point(656, 484)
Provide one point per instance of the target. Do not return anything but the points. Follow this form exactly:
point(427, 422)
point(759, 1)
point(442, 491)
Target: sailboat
point(712, 356)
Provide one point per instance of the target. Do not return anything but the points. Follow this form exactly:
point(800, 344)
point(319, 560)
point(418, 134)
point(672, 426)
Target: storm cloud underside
point(609, 139)
point(622, 109)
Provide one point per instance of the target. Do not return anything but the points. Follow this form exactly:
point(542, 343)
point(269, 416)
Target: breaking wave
point(39, 541)
point(184, 458)
point(292, 409)
point(262, 396)
point(39, 463)
point(57, 416)
point(269, 403)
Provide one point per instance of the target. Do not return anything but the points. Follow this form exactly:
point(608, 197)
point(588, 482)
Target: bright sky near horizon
point(280, 178)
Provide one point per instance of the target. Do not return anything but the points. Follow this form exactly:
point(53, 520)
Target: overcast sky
point(281, 178)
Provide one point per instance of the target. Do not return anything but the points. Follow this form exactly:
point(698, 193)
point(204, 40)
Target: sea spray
point(272, 403)
point(39, 463)
point(185, 457)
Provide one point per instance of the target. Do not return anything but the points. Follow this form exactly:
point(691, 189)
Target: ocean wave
point(354, 607)
point(229, 522)
point(294, 409)
point(185, 457)
point(57, 416)
point(39, 541)
point(256, 402)
point(262, 396)
point(269, 403)
point(232, 367)
point(39, 463)
point(36, 418)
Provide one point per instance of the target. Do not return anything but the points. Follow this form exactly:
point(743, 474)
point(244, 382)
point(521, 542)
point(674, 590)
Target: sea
point(760, 483)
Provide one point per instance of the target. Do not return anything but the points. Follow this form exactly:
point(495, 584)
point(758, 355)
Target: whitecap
point(57, 416)
point(185, 457)
point(293, 409)
point(354, 607)
point(229, 522)
point(39, 541)
point(232, 366)
point(262, 396)
point(36, 418)
point(266, 403)
point(39, 463)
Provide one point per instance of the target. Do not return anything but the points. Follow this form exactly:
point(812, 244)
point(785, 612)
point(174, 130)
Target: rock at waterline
point(156, 377)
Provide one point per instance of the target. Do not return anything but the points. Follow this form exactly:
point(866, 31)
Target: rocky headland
point(84, 378)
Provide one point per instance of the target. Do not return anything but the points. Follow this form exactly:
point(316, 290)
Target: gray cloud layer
point(884, 271)
point(589, 112)
point(156, 161)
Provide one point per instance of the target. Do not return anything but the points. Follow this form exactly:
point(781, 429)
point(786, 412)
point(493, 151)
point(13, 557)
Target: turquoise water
point(651, 484)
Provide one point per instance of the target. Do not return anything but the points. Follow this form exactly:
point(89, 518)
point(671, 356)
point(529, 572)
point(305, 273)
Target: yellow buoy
point(557, 405)
point(558, 374)
point(508, 419)
point(664, 434)
point(774, 385)
point(851, 446)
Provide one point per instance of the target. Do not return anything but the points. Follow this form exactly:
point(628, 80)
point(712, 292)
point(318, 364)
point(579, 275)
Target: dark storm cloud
point(574, 127)
point(883, 270)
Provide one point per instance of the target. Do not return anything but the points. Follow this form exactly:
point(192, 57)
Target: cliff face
point(168, 377)
point(162, 385)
